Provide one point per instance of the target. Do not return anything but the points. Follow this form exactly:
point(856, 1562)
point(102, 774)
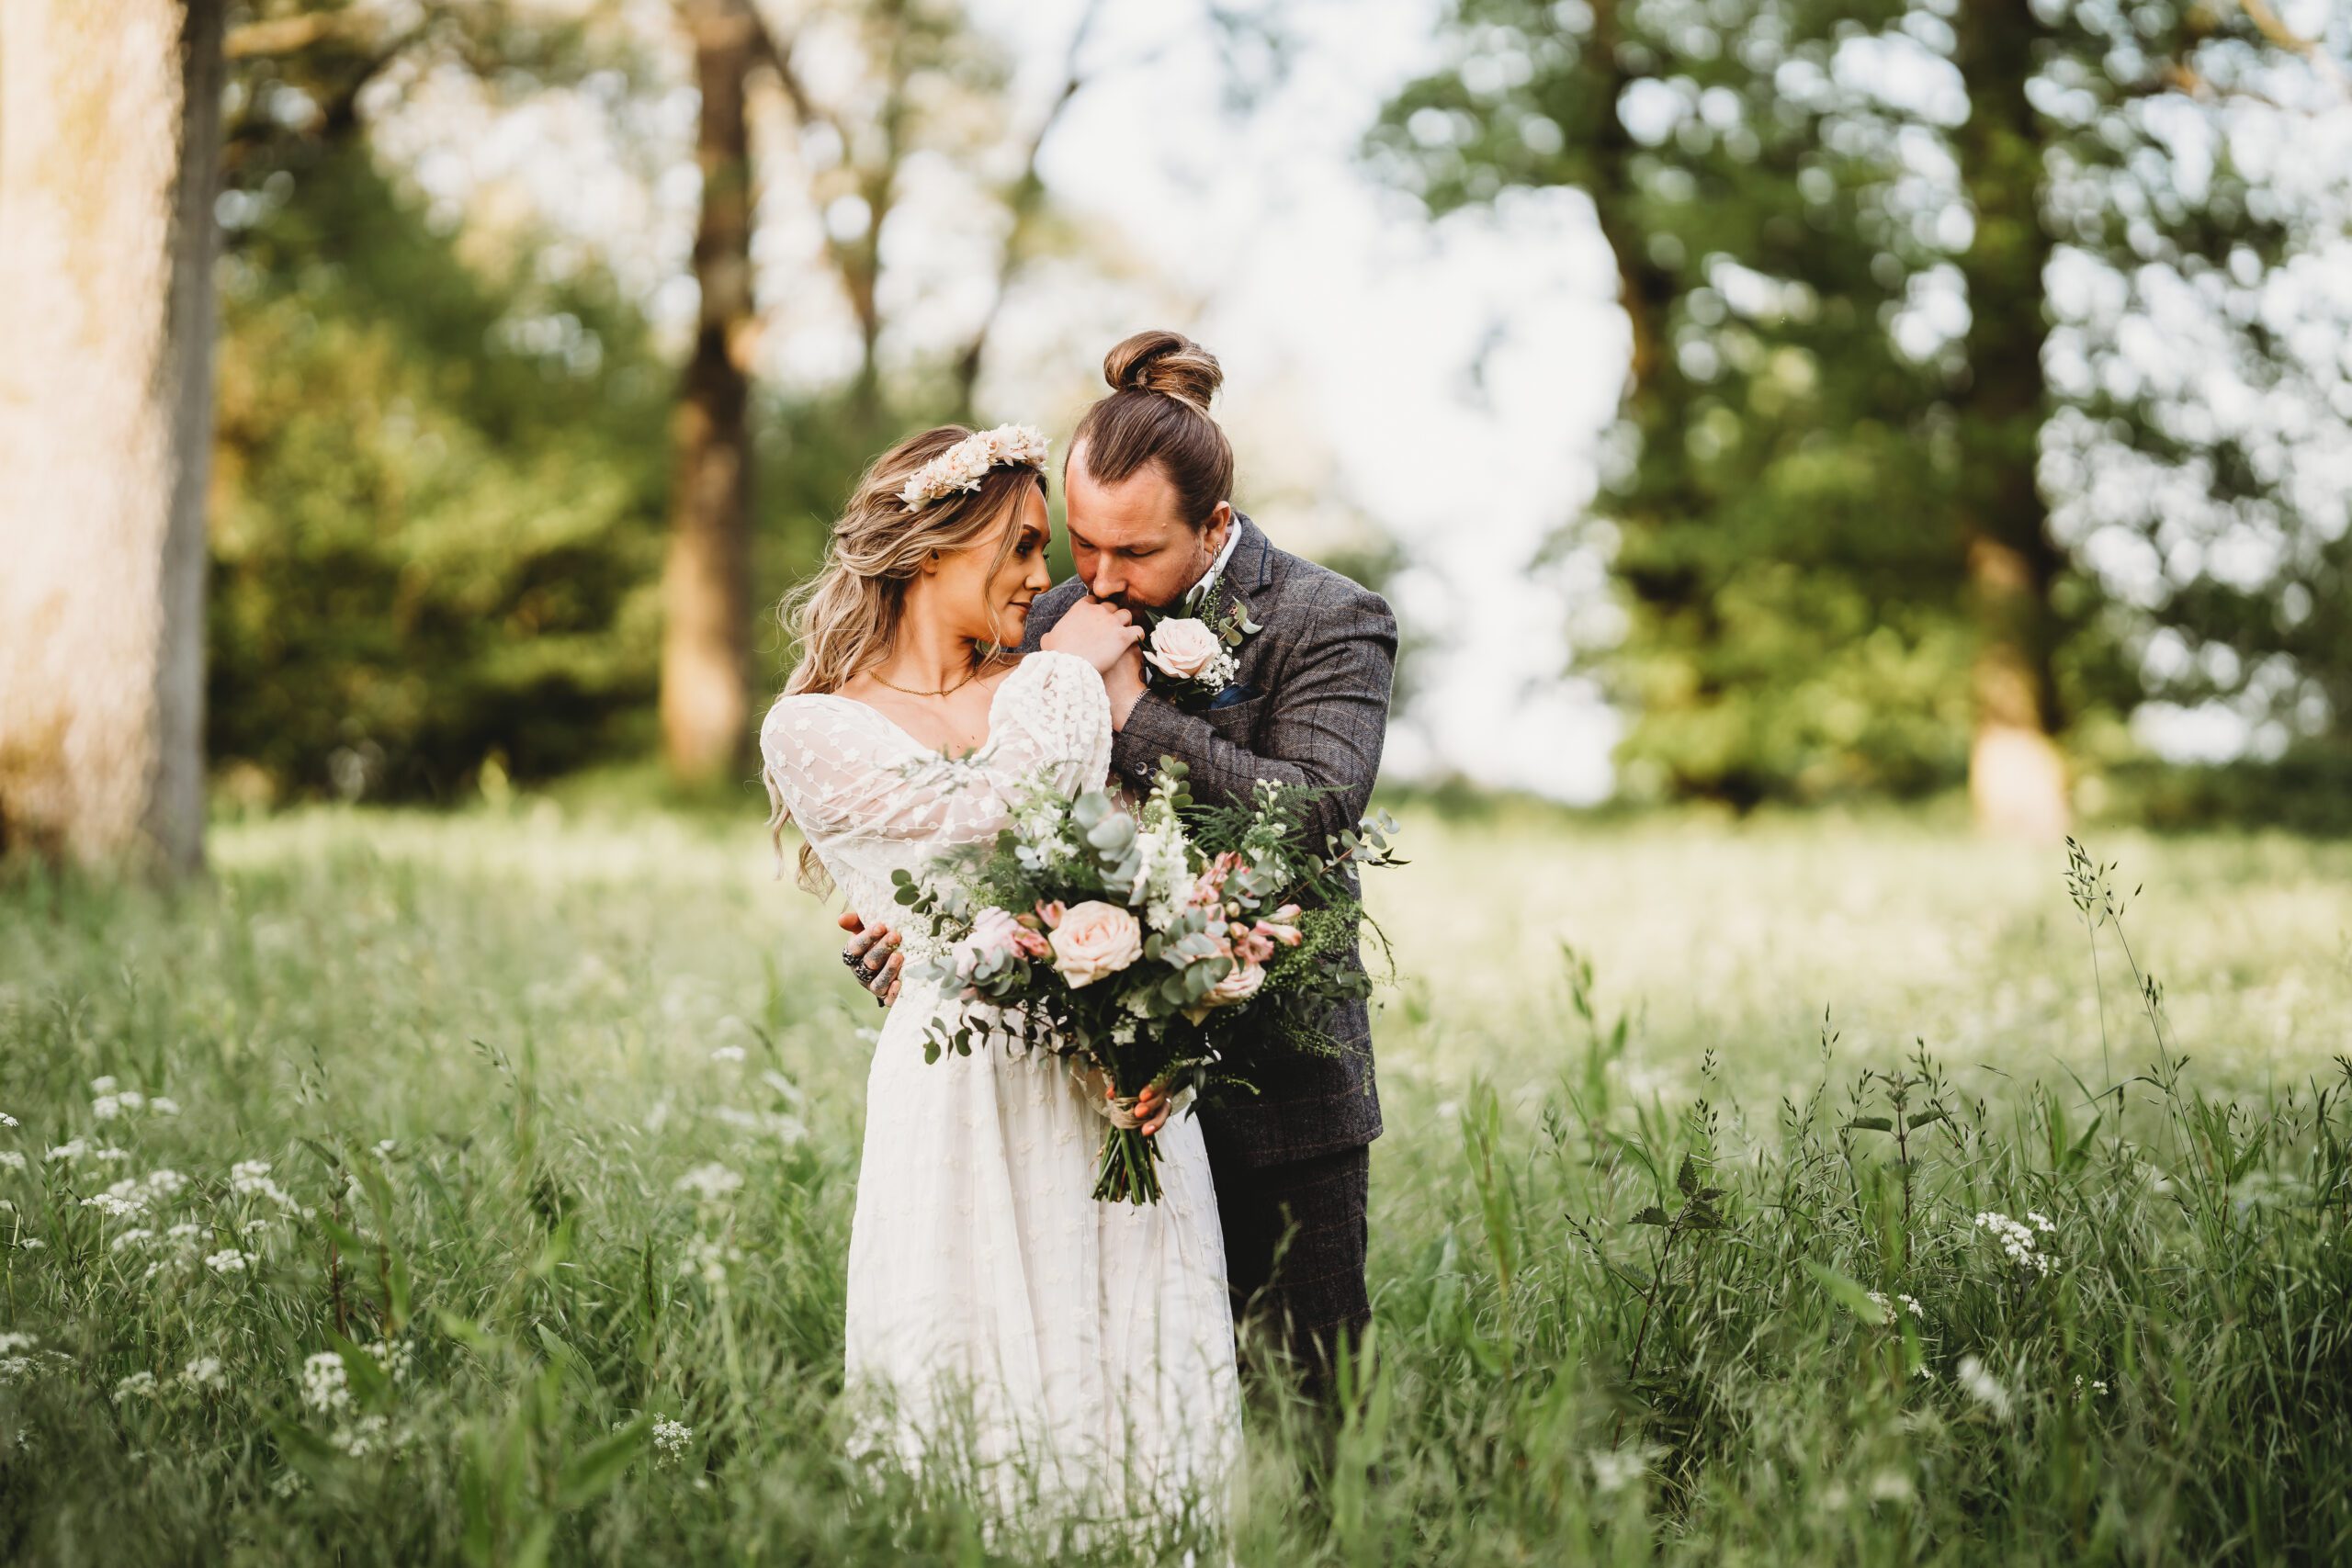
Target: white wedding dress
point(1061, 1353)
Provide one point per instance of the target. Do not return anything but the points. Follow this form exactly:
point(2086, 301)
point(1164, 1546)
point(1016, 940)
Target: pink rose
point(995, 935)
point(1239, 985)
point(1182, 649)
point(1095, 939)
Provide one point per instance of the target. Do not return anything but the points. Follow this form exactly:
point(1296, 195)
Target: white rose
point(1182, 649)
point(1095, 939)
point(1240, 983)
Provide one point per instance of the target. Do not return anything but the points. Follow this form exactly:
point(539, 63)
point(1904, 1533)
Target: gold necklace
point(971, 676)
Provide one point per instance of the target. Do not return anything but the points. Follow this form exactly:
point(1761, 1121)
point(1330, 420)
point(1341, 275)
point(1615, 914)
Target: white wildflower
point(138, 1385)
point(115, 1205)
point(228, 1261)
point(11, 1160)
point(163, 1182)
point(288, 1483)
point(105, 1108)
point(2018, 1241)
point(394, 1356)
point(130, 1238)
point(362, 1437)
point(326, 1387)
point(13, 1343)
point(163, 1105)
point(385, 1148)
point(710, 1183)
point(102, 1085)
point(1981, 1385)
point(2097, 1385)
point(1613, 1470)
point(205, 1374)
point(2040, 1221)
point(730, 1055)
point(32, 1243)
point(707, 1259)
point(110, 1156)
point(69, 1151)
point(1891, 1487)
point(671, 1438)
point(6, 1120)
point(131, 1100)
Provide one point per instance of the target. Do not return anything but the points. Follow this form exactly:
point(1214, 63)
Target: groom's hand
point(873, 950)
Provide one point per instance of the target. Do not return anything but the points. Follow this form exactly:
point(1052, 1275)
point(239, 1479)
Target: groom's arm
point(1330, 719)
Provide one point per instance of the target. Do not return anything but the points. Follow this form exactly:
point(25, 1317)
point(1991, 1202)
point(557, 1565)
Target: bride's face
point(993, 606)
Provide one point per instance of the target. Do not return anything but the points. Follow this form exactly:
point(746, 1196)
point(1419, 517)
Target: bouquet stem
point(1129, 1172)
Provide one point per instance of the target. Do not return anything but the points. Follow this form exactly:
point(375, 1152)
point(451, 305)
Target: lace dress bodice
point(872, 800)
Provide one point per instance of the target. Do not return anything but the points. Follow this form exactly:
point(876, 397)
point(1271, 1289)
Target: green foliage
point(437, 535)
point(1784, 500)
point(540, 1281)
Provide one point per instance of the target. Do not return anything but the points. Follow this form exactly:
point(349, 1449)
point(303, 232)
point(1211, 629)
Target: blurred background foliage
point(1846, 515)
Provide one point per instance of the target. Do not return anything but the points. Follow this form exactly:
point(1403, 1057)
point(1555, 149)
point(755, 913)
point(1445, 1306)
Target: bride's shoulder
point(1049, 670)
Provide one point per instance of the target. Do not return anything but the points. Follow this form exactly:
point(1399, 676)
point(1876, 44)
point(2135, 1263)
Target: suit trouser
point(1294, 1240)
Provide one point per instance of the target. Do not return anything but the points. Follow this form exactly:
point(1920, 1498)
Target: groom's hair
point(1158, 412)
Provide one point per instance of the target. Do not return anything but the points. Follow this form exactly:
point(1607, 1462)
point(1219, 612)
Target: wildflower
point(11, 1344)
point(710, 1183)
point(69, 1151)
point(384, 1149)
point(32, 1243)
point(706, 1259)
point(115, 1205)
point(163, 1182)
point(229, 1261)
point(288, 1483)
point(102, 1085)
point(671, 1438)
point(1891, 1487)
point(138, 1385)
point(1910, 1304)
point(130, 1238)
point(6, 1120)
point(326, 1387)
point(11, 1160)
point(2097, 1385)
point(163, 1105)
point(394, 1356)
point(110, 1156)
point(1982, 1387)
point(728, 1054)
point(2040, 1221)
point(361, 1437)
point(2018, 1240)
point(1613, 1470)
point(205, 1374)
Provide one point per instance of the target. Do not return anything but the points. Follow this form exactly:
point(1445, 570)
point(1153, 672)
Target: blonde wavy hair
point(844, 621)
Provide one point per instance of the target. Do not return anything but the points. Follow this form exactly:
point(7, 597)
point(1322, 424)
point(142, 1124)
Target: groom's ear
point(1219, 521)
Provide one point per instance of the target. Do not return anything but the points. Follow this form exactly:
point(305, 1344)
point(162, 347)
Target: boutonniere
point(1190, 658)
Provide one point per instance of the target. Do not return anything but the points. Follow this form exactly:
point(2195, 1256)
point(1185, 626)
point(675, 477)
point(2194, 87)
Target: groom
point(1152, 528)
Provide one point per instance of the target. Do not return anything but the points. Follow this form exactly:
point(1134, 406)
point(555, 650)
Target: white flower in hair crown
point(963, 466)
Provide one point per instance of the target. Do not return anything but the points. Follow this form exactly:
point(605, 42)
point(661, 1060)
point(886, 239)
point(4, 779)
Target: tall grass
point(561, 1120)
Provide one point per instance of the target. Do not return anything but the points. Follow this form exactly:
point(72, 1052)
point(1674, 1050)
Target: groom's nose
point(1107, 581)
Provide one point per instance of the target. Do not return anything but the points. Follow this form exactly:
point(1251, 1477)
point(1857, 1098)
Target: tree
point(705, 581)
point(1829, 508)
point(109, 127)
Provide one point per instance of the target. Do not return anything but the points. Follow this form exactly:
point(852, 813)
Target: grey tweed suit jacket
point(1321, 671)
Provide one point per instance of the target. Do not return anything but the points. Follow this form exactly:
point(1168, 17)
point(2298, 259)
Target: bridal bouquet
point(1147, 944)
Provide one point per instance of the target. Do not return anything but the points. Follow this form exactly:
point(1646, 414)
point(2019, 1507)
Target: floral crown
point(963, 466)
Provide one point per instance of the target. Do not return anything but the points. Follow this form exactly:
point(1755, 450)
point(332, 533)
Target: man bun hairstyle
point(1161, 385)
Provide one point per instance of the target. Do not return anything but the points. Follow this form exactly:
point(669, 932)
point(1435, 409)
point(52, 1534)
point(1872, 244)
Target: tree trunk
point(2017, 779)
point(705, 584)
point(110, 135)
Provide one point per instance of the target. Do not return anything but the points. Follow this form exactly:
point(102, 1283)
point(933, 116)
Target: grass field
point(1626, 1218)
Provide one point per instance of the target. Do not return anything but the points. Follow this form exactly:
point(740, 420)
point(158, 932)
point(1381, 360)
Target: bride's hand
point(1099, 633)
point(879, 944)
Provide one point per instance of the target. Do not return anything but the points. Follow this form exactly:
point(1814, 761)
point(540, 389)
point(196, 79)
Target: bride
point(1063, 1353)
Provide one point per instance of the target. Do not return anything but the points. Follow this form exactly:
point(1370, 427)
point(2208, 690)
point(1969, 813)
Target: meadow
point(474, 1188)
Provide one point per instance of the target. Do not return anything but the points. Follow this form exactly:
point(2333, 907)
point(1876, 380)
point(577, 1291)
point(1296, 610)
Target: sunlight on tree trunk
point(2017, 779)
point(705, 584)
point(110, 129)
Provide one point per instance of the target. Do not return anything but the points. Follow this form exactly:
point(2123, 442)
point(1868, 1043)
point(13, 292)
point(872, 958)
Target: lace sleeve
point(1052, 716)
